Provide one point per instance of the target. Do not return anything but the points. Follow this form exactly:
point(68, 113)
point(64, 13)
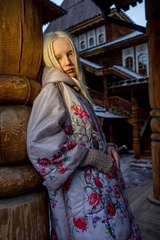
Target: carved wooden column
point(153, 30)
point(136, 131)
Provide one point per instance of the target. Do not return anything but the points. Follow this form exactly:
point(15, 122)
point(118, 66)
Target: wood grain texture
point(20, 37)
point(15, 89)
point(13, 131)
point(25, 217)
point(17, 180)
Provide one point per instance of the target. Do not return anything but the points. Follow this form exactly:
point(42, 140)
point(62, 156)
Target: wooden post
point(111, 134)
point(153, 30)
point(136, 131)
point(105, 92)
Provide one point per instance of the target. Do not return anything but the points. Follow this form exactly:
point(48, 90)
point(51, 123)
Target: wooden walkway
point(147, 214)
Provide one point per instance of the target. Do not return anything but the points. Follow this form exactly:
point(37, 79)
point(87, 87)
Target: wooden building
point(152, 9)
point(115, 62)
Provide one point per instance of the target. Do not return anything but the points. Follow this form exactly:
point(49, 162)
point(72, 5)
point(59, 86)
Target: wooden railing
point(126, 106)
point(97, 97)
point(123, 107)
point(121, 104)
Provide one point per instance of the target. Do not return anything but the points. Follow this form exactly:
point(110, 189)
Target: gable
point(79, 12)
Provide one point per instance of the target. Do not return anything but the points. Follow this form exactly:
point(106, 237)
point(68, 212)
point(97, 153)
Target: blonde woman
point(67, 146)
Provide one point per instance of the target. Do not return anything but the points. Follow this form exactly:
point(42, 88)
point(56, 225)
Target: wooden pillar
point(111, 133)
point(105, 92)
point(23, 203)
point(106, 105)
point(136, 131)
point(153, 30)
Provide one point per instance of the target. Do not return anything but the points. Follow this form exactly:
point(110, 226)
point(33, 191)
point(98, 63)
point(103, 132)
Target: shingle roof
point(50, 11)
point(77, 11)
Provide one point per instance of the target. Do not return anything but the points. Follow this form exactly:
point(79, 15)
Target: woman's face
point(65, 56)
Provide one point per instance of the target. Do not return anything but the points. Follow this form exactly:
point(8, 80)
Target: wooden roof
point(125, 4)
point(120, 4)
point(78, 12)
point(105, 6)
point(50, 11)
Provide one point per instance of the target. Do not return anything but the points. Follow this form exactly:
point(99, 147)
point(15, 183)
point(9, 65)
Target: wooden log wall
point(153, 30)
point(23, 200)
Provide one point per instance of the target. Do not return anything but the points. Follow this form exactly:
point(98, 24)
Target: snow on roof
point(102, 112)
point(91, 64)
point(121, 39)
point(129, 72)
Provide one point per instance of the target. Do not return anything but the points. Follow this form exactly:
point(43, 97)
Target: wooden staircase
point(122, 107)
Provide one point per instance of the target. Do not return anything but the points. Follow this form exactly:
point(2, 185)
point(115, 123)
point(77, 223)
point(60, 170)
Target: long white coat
point(85, 203)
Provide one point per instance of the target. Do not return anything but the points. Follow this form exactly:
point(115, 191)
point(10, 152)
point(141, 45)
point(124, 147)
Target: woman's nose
point(67, 61)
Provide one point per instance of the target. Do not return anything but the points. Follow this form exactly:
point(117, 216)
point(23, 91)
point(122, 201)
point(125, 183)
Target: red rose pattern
point(98, 183)
point(110, 208)
point(94, 199)
point(44, 163)
point(67, 184)
point(77, 109)
point(57, 159)
point(61, 168)
point(80, 223)
point(83, 114)
point(70, 145)
point(68, 130)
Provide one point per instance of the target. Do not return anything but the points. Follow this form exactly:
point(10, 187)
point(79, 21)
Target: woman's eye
point(58, 59)
point(71, 53)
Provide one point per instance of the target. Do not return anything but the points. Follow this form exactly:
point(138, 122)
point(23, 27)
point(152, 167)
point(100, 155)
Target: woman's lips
point(70, 70)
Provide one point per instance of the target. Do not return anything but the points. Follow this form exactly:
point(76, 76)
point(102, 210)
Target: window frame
point(142, 49)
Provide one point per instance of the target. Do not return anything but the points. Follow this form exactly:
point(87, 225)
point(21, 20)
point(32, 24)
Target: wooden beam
point(125, 24)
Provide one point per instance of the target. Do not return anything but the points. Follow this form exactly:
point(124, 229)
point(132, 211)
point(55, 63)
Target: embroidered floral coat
point(85, 203)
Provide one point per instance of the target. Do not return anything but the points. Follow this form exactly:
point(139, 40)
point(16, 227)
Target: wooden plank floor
point(147, 214)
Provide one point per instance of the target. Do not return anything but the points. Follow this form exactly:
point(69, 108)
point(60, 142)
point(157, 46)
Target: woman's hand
point(112, 152)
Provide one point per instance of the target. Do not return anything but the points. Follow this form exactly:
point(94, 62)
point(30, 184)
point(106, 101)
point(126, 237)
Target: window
point(101, 38)
point(82, 46)
point(142, 63)
point(101, 35)
point(129, 63)
point(142, 59)
point(82, 42)
point(128, 58)
point(76, 42)
point(91, 42)
point(91, 38)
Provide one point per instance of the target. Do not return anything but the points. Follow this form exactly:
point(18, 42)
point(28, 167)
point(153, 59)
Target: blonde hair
point(50, 59)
